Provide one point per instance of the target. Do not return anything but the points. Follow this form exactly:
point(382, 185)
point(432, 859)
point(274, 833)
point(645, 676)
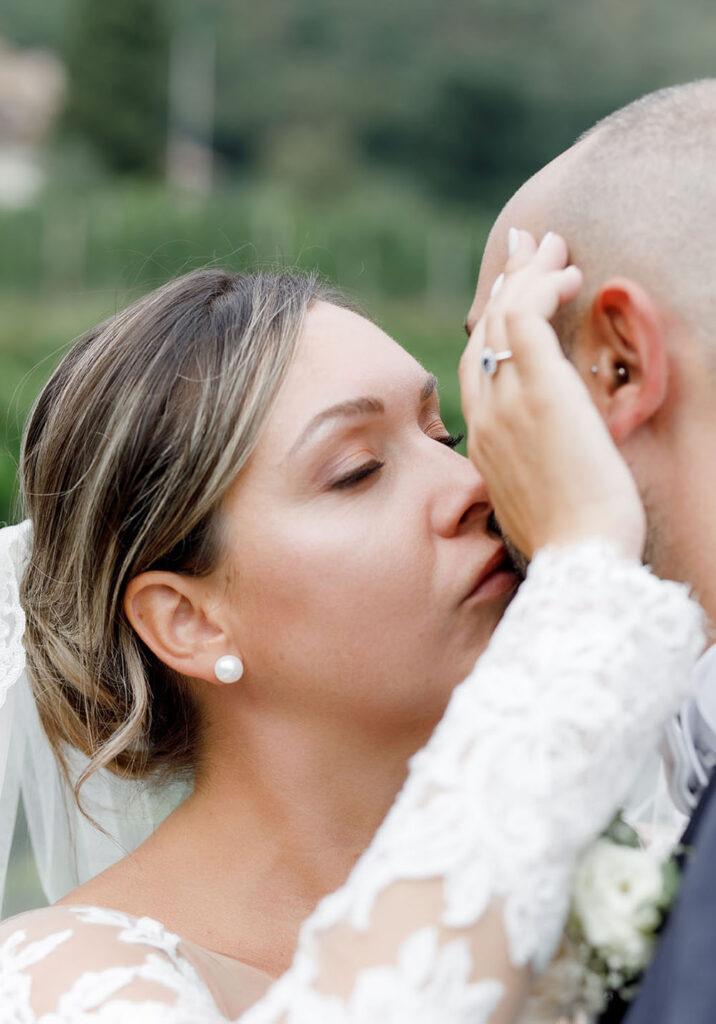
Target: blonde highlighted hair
point(127, 455)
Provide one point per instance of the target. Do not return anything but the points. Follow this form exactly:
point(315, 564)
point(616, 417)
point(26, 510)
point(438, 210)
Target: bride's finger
point(530, 264)
point(521, 246)
point(544, 294)
point(528, 269)
point(540, 304)
point(551, 253)
point(537, 297)
point(529, 293)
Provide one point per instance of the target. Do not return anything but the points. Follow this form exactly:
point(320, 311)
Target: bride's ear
point(627, 356)
point(174, 616)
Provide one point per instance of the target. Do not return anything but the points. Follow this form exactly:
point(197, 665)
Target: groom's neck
point(681, 510)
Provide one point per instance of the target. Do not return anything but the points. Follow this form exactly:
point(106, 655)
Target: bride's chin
point(483, 612)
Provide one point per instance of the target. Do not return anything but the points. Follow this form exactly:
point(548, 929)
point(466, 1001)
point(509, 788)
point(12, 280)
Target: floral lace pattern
point(464, 887)
point(103, 995)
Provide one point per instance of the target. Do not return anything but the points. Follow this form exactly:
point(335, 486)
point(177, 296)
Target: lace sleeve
point(76, 965)
point(463, 890)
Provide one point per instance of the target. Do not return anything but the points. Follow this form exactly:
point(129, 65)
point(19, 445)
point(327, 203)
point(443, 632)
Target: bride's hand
point(552, 470)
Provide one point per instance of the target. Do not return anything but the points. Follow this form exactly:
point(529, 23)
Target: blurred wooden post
point(192, 101)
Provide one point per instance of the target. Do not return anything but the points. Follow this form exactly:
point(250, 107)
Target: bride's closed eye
point(451, 440)
point(355, 477)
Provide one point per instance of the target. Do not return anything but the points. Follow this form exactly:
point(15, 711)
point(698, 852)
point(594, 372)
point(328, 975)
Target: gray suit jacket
point(679, 986)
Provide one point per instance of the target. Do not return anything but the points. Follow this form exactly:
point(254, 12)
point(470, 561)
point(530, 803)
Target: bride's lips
point(497, 576)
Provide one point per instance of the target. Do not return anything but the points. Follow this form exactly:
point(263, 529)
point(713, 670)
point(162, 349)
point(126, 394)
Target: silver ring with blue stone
point(490, 360)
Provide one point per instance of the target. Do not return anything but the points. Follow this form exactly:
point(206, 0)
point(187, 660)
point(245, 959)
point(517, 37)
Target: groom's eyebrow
point(364, 406)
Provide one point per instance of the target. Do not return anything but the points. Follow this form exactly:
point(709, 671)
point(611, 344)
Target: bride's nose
point(460, 500)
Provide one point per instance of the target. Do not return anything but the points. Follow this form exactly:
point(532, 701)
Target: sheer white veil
point(68, 849)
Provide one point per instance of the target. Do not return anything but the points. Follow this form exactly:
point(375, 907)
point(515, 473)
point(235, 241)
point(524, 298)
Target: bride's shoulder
point(52, 927)
point(74, 960)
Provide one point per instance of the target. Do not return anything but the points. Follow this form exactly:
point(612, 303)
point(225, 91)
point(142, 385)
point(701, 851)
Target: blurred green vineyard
point(71, 261)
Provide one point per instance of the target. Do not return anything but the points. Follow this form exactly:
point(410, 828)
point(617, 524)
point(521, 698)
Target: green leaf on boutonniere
point(672, 881)
point(621, 833)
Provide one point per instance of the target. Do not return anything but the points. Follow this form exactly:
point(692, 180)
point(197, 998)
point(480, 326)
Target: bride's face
point(361, 574)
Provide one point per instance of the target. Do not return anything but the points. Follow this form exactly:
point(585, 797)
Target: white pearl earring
point(229, 669)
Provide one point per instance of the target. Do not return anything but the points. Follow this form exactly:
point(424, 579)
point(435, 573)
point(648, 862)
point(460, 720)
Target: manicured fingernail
point(513, 240)
point(546, 240)
point(496, 286)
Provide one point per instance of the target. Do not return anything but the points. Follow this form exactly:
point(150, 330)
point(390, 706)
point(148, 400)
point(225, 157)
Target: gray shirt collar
point(689, 745)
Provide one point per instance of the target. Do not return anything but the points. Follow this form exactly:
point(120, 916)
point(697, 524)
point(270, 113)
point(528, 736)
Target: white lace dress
point(462, 893)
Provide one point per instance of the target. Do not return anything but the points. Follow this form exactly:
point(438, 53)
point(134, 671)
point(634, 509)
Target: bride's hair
point(127, 455)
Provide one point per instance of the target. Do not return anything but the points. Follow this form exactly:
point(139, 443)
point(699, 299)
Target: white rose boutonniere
point(619, 899)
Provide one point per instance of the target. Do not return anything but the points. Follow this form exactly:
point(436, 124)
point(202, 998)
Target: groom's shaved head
point(640, 199)
point(635, 196)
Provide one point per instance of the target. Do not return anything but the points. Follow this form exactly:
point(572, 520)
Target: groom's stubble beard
point(655, 545)
point(518, 559)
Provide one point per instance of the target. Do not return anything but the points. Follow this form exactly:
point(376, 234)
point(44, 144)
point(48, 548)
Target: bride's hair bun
point(127, 454)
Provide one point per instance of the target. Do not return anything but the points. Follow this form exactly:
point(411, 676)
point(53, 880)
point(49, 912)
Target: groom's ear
point(628, 349)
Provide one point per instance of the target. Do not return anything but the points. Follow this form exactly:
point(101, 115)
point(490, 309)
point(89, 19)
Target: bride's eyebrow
point(430, 386)
point(367, 405)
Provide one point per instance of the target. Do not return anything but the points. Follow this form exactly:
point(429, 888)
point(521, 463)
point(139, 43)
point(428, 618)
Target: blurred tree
point(32, 24)
point(472, 136)
point(475, 133)
point(117, 58)
point(464, 98)
point(486, 132)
